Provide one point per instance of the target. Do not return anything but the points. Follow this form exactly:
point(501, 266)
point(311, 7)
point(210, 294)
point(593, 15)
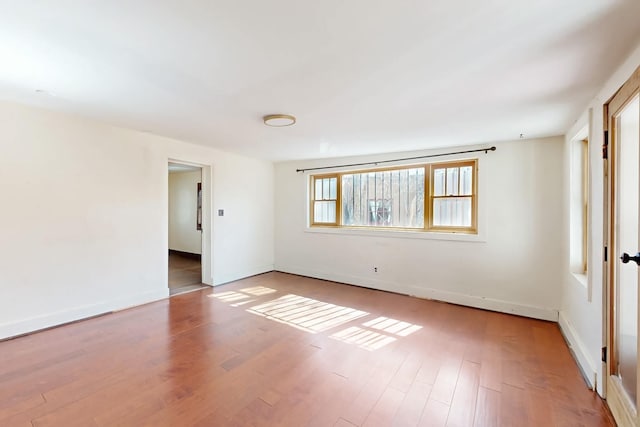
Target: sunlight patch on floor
point(392, 326)
point(375, 333)
point(306, 313)
point(315, 316)
point(229, 296)
point(235, 299)
point(258, 291)
point(363, 338)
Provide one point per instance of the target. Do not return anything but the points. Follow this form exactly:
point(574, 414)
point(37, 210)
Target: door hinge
point(605, 254)
point(604, 354)
point(605, 145)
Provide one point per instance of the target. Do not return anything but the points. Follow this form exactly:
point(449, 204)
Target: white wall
point(515, 265)
point(84, 216)
point(183, 205)
point(581, 318)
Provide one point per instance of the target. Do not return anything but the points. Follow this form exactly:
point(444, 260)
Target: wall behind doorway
point(84, 219)
point(183, 199)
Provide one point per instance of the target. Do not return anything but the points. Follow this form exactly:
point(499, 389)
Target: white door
point(624, 263)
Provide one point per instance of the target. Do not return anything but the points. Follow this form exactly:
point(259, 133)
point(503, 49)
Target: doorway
point(185, 228)
point(622, 172)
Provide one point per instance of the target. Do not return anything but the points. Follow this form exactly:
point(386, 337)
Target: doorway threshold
point(188, 288)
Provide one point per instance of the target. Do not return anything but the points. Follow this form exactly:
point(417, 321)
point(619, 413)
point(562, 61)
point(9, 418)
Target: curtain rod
point(486, 150)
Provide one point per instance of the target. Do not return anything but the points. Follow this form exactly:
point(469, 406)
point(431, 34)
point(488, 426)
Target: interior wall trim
point(580, 352)
point(45, 321)
point(475, 301)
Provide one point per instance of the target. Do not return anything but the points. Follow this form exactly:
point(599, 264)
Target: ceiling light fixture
point(44, 92)
point(279, 120)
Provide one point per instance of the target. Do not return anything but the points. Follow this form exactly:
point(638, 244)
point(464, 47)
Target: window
point(325, 200)
point(585, 200)
point(384, 198)
point(452, 198)
point(431, 197)
point(579, 204)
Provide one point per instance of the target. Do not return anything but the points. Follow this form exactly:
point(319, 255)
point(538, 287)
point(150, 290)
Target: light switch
point(220, 212)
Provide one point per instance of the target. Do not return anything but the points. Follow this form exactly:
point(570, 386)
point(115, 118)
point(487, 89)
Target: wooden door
point(623, 269)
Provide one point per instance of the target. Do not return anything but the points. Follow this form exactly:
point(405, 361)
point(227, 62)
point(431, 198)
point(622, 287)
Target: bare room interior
point(331, 214)
point(185, 228)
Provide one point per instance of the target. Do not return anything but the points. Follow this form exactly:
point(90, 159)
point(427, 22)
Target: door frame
point(623, 410)
point(207, 218)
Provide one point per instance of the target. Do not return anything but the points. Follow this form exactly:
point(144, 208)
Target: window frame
point(428, 226)
point(585, 203)
point(312, 200)
point(578, 204)
point(429, 199)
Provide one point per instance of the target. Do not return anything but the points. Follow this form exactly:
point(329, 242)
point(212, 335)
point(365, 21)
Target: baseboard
point(429, 293)
point(237, 275)
point(579, 350)
point(485, 303)
point(25, 326)
point(190, 255)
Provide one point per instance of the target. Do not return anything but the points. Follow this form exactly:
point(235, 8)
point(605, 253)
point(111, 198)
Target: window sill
point(399, 234)
point(581, 278)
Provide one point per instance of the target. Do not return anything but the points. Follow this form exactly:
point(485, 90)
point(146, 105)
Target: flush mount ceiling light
point(45, 92)
point(279, 120)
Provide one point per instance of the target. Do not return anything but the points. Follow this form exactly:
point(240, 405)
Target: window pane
point(348, 200)
point(466, 181)
point(325, 189)
point(438, 182)
point(380, 212)
point(384, 199)
point(452, 182)
point(452, 212)
point(324, 212)
point(333, 191)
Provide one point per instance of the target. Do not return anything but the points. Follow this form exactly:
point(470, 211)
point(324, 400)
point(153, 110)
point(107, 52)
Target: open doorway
point(185, 228)
point(622, 266)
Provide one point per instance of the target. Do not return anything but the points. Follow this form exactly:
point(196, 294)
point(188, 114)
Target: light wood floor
point(281, 350)
point(185, 273)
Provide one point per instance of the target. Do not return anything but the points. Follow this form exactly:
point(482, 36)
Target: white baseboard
point(429, 293)
point(487, 303)
point(237, 275)
point(24, 326)
point(579, 351)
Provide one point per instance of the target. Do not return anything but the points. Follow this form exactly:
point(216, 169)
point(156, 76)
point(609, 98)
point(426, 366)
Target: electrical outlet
point(375, 269)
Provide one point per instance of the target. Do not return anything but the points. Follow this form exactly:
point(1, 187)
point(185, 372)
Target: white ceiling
point(361, 76)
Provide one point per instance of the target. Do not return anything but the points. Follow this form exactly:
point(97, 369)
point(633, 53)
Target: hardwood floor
point(185, 272)
point(282, 350)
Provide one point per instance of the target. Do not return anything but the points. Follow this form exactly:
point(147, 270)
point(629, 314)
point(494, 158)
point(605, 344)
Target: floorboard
point(283, 350)
point(185, 272)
